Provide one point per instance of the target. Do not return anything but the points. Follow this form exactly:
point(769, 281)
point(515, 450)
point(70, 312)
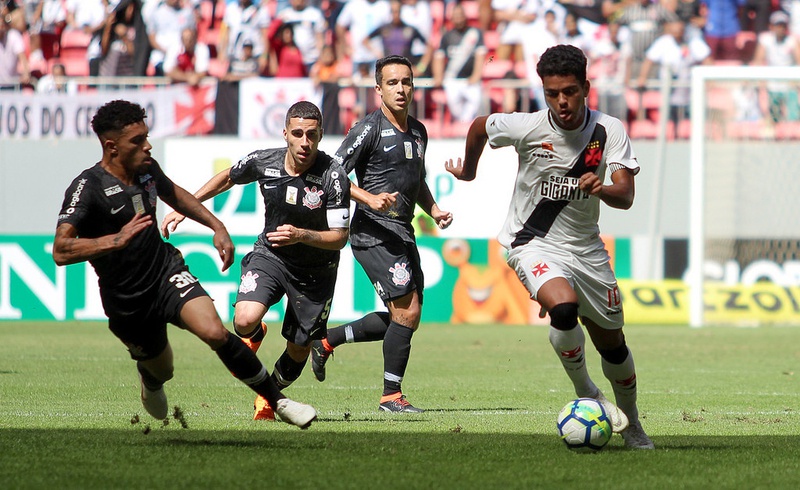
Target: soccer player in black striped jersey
point(387, 151)
point(551, 229)
point(307, 201)
point(108, 218)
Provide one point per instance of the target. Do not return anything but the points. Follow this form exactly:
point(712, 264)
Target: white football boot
point(619, 421)
point(296, 413)
point(155, 402)
point(635, 438)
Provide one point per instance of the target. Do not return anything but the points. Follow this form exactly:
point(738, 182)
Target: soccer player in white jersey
point(551, 229)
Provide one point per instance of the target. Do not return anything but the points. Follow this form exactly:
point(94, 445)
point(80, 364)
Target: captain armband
point(339, 218)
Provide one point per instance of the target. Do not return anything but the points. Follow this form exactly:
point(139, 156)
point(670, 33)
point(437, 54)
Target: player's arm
point(217, 185)
point(69, 249)
point(617, 195)
point(188, 205)
point(377, 202)
point(428, 204)
point(333, 239)
point(476, 141)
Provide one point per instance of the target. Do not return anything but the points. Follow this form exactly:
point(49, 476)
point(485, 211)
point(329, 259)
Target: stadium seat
point(495, 69)
point(217, 68)
point(75, 39)
point(643, 129)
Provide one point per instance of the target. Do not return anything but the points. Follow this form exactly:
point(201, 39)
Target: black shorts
point(144, 331)
point(309, 292)
point(393, 268)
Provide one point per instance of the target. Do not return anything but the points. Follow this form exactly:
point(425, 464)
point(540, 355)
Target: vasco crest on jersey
point(313, 197)
point(594, 153)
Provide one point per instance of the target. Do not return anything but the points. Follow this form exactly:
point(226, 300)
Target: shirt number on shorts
point(327, 310)
point(183, 279)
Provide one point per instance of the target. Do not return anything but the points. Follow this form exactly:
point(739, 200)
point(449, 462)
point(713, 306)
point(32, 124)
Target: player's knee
point(245, 324)
point(617, 355)
point(564, 316)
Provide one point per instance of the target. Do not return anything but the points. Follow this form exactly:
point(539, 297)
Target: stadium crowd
point(469, 56)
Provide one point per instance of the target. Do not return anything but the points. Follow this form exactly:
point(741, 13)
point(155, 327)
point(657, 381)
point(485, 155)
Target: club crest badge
point(313, 198)
point(400, 274)
point(539, 268)
point(248, 283)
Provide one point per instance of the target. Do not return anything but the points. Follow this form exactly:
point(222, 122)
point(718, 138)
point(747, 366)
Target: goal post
point(744, 227)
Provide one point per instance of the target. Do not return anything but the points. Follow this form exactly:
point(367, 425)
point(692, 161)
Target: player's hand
point(590, 184)
point(224, 245)
point(283, 235)
point(457, 168)
point(171, 222)
point(443, 218)
point(132, 228)
point(383, 201)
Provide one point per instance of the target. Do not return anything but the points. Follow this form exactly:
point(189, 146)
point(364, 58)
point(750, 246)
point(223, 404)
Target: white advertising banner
point(174, 110)
point(263, 103)
point(479, 207)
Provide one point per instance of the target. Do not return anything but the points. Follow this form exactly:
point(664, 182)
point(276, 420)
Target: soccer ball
point(583, 425)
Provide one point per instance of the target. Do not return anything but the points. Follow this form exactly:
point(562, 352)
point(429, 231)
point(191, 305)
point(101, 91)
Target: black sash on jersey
point(546, 212)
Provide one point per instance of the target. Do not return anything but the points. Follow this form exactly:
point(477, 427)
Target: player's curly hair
point(305, 110)
point(562, 60)
point(391, 60)
point(115, 115)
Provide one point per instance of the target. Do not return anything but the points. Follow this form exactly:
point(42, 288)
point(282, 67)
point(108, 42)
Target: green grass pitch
point(720, 403)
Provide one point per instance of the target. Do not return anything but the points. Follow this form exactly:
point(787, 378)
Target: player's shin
point(367, 329)
point(396, 351)
point(569, 342)
point(620, 370)
point(287, 370)
point(245, 366)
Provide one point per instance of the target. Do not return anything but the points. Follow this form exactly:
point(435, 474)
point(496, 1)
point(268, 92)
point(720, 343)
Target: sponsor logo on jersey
point(562, 189)
point(539, 268)
point(248, 284)
point(246, 159)
point(547, 145)
point(409, 148)
point(400, 274)
point(114, 189)
point(334, 174)
point(314, 179)
point(387, 132)
point(272, 172)
point(291, 195)
point(76, 196)
point(337, 188)
point(183, 294)
point(313, 197)
point(379, 289)
point(358, 141)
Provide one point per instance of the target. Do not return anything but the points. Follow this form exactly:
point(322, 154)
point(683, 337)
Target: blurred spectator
point(396, 37)
point(755, 15)
point(777, 47)
point(417, 14)
point(645, 20)
point(676, 56)
point(56, 82)
point(244, 20)
point(245, 66)
point(722, 28)
point(164, 30)
point(46, 21)
point(187, 62)
point(691, 13)
point(14, 67)
point(457, 66)
point(325, 74)
point(514, 17)
point(609, 70)
point(286, 60)
point(309, 28)
point(117, 45)
point(543, 35)
point(90, 17)
point(356, 21)
point(573, 36)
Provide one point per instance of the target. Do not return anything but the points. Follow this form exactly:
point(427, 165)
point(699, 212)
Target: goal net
point(744, 238)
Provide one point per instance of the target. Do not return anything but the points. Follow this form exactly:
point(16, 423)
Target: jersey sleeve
point(164, 185)
point(619, 150)
point(357, 145)
point(501, 130)
point(77, 202)
point(246, 169)
point(338, 202)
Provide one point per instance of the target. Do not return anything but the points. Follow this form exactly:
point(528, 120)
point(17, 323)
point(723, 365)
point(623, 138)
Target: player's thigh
point(263, 281)
point(200, 317)
point(598, 294)
point(546, 274)
point(393, 268)
point(308, 305)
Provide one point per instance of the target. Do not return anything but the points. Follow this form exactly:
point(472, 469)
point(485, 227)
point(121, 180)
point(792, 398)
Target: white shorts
point(588, 272)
